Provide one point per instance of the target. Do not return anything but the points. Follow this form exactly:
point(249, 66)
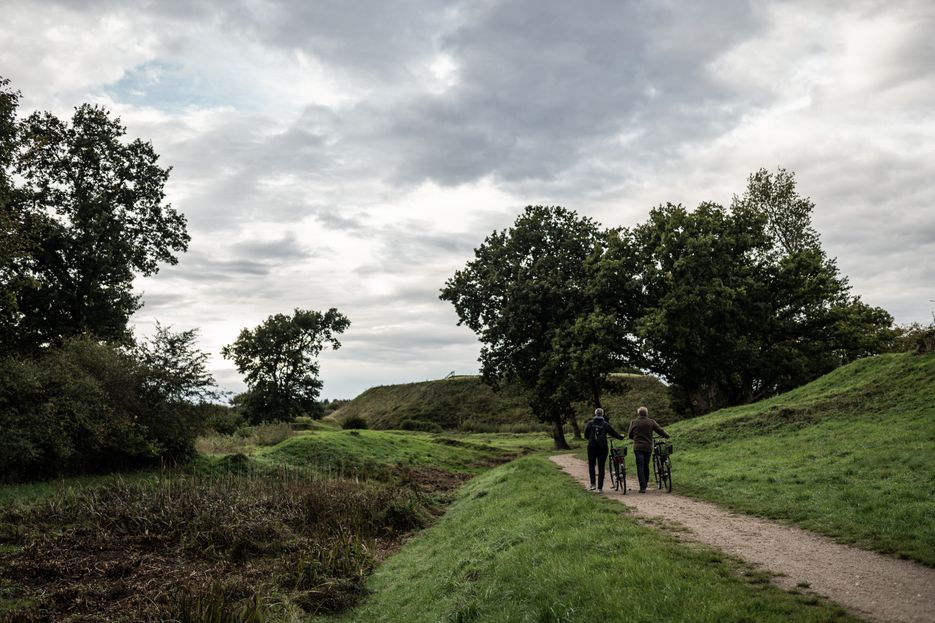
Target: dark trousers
point(642, 467)
point(597, 455)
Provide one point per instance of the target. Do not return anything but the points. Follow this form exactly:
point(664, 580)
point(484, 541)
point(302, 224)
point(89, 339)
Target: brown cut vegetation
point(223, 547)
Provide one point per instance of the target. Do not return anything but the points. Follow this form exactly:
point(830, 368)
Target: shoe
point(642, 490)
point(591, 488)
point(600, 491)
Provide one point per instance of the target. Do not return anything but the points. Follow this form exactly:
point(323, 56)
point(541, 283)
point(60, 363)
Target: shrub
point(354, 422)
point(84, 407)
point(420, 425)
point(219, 418)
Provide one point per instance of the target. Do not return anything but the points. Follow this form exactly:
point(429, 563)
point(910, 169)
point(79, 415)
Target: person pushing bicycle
point(596, 433)
point(641, 432)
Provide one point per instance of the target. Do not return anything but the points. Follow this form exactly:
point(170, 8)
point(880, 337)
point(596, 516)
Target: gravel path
point(872, 585)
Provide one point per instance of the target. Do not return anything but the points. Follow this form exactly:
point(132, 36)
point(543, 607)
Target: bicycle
point(618, 468)
point(662, 465)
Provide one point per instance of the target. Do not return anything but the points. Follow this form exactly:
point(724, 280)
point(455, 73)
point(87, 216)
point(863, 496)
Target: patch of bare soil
point(874, 586)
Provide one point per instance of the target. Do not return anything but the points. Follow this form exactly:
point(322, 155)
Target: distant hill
point(465, 403)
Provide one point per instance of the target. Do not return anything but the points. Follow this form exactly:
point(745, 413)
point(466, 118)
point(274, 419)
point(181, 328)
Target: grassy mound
point(465, 403)
point(369, 452)
point(525, 543)
point(851, 455)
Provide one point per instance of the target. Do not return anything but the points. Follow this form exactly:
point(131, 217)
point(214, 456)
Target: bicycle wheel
point(614, 474)
point(667, 474)
point(656, 470)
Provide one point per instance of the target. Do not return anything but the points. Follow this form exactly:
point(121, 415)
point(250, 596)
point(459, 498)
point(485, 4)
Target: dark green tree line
point(730, 305)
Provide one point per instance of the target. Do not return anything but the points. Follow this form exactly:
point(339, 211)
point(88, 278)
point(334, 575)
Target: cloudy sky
point(351, 154)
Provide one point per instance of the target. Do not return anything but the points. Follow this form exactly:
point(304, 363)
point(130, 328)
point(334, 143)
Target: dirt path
point(872, 585)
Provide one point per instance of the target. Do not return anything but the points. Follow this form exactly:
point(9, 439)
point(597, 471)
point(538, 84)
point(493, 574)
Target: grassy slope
point(328, 452)
point(353, 451)
point(466, 403)
point(525, 543)
point(851, 455)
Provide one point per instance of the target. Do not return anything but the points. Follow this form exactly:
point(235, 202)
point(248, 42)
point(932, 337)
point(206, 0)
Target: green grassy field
point(523, 542)
point(851, 455)
point(466, 404)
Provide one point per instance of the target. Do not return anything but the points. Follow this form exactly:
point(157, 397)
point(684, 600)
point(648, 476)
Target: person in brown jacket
point(641, 432)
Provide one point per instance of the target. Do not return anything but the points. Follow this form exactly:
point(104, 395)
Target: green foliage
point(507, 552)
point(915, 338)
point(88, 406)
point(353, 422)
point(742, 304)
point(848, 455)
point(278, 358)
point(78, 408)
point(221, 419)
point(87, 213)
point(530, 297)
point(176, 371)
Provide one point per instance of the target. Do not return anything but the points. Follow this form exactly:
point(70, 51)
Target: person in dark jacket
point(641, 432)
point(596, 433)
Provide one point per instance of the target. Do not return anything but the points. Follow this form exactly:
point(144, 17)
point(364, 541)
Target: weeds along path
point(875, 586)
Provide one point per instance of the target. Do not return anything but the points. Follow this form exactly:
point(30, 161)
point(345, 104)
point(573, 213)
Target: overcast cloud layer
point(352, 154)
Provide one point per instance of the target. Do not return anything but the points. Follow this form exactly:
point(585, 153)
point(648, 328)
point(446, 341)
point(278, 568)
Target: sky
point(352, 154)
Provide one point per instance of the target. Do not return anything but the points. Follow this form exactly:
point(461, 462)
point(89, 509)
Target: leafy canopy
point(532, 297)
point(82, 211)
point(742, 303)
point(279, 359)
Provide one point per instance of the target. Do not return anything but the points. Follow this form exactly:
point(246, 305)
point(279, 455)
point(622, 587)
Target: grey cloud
point(277, 251)
point(542, 86)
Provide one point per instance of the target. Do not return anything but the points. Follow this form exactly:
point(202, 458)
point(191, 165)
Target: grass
point(523, 542)
point(851, 456)
point(466, 404)
point(362, 453)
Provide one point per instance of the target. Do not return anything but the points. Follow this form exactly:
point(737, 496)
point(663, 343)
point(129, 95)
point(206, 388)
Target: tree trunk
point(558, 435)
point(574, 427)
point(596, 393)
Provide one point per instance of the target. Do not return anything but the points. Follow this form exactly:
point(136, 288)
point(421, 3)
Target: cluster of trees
point(82, 213)
point(728, 304)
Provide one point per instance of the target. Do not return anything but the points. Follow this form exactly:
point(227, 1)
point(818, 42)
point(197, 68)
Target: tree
point(175, 370)
point(741, 304)
point(529, 294)
point(703, 281)
point(278, 358)
point(89, 206)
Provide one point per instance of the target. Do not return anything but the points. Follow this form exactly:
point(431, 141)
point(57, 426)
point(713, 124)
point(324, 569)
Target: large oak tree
point(532, 297)
point(82, 212)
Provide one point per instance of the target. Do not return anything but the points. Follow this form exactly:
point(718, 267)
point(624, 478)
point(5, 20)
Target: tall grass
point(145, 549)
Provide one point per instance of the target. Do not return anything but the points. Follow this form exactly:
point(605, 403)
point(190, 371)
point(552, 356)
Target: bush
point(354, 422)
point(219, 418)
point(420, 425)
point(86, 407)
point(915, 338)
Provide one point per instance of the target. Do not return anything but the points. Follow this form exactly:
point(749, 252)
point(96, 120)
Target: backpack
point(599, 433)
